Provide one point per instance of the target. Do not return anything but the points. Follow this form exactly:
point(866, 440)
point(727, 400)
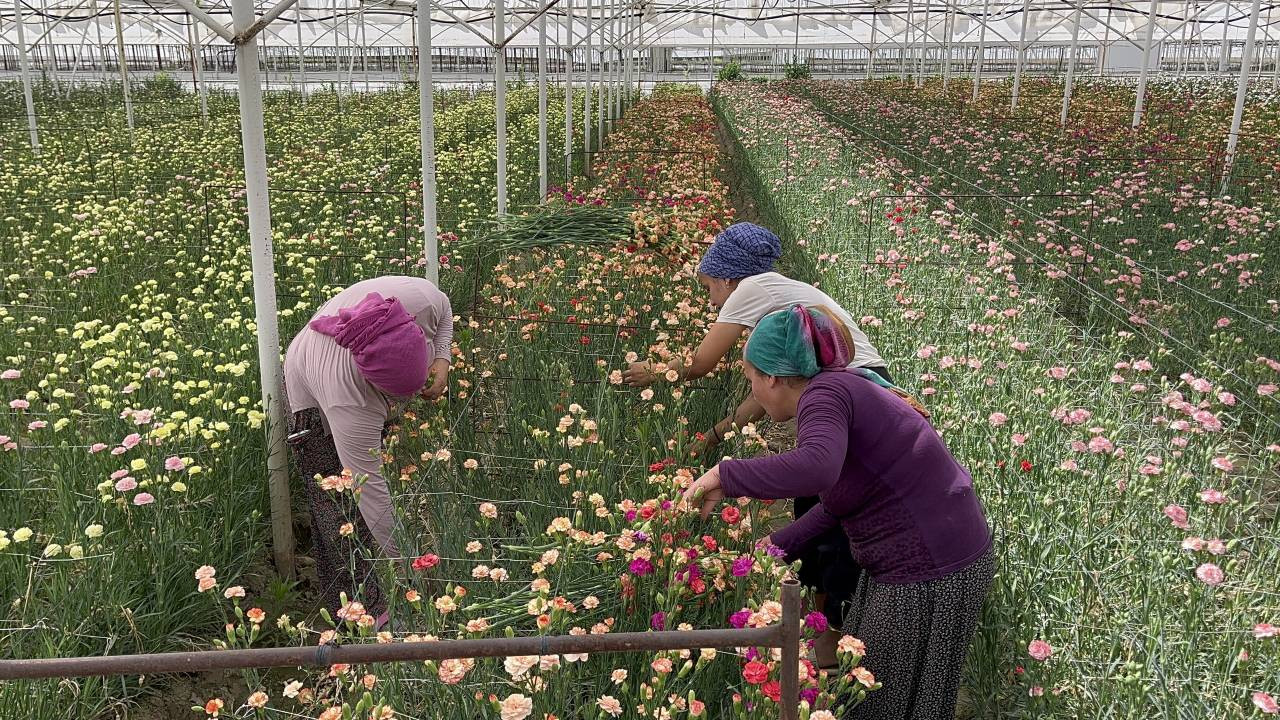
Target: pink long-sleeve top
point(321, 374)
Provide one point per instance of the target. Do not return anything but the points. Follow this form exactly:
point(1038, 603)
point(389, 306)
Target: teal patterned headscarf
point(799, 342)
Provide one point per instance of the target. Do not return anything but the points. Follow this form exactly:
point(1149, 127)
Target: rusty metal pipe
point(790, 640)
point(326, 655)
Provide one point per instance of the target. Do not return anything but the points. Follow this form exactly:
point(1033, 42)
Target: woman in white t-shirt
point(737, 272)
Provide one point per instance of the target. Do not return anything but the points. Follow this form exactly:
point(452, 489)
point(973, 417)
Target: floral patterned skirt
point(917, 636)
point(344, 563)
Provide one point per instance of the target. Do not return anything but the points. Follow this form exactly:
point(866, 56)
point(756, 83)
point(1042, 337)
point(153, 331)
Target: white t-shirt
point(759, 295)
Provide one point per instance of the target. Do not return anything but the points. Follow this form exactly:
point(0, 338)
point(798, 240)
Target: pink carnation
point(1177, 515)
point(1210, 574)
point(1040, 650)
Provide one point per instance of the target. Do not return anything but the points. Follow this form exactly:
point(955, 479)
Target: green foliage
point(796, 71)
point(730, 72)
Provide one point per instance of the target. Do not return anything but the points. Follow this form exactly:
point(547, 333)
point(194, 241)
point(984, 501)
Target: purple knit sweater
point(882, 472)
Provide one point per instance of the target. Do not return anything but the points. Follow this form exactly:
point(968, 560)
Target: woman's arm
point(441, 350)
point(719, 340)
point(822, 441)
point(800, 535)
point(749, 411)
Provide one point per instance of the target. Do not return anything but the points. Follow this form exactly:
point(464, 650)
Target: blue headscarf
point(742, 250)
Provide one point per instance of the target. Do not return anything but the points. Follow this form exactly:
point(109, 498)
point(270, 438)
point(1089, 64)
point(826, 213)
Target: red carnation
point(731, 515)
point(772, 690)
point(426, 562)
point(755, 672)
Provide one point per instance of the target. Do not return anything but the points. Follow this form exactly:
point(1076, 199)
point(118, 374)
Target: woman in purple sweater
point(882, 474)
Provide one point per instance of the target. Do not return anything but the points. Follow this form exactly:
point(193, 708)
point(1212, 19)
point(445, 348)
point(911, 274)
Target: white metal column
point(542, 107)
point(1071, 62)
point(982, 49)
point(1242, 90)
point(948, 27)
point(1146, 64)
point(124, 68)
point(871, 46)
point(907, 34)
point(568, 91)
point(500, 99)
point(264, 283)
point(427, 141)
point(924, 49)
point(586, 101)
point(197, 68)
point(302, 55)
point(25, 65)
point(1022, 55)
point(601, 83)
point(1226, 46)
point(364, 44)
point(1106, 40)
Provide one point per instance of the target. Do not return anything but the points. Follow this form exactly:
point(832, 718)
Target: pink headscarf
point(388, 346)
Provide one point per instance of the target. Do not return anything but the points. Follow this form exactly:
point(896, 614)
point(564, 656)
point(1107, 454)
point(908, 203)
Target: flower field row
point(541, 501)
point(131, 446)
point(1135, 539)
point(1135, 215)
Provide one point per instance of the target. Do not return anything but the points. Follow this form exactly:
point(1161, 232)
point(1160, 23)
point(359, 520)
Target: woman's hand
point(705, 490)
point(439, 381)
point(708, 441)
point(639, 374)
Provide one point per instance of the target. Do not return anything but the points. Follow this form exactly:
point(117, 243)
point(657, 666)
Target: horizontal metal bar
point(264, 21)
point(326, 655)
point(218, 28)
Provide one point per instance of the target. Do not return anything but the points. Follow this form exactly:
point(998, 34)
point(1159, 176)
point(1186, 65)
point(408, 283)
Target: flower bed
point(131, 448)
point(1132, 517)
point(543, 501)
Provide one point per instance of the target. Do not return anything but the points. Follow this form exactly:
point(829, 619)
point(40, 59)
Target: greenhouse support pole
point(1181, 63)
point(427, 141)
point(586, 100)
point(124, 69)
point(1242, 90)
point(871, 46)
point(906, 39)
point(50, 49)
point(1146, 65)
point(1226, 47)
point(924, 49)
point(795, 47)
point(568, 92)
point(1022, 55)
point(364, 45)
point(302, 54)
point(500, 99)
point(253, 138)
point(25, 65)
point(948, 28)
point(197, 69)
point(542, 107)
point(982, 49)
point(1071, 63)
point(711, 58)
point(620, 75)
point(1106, 39)
point(601, 81)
